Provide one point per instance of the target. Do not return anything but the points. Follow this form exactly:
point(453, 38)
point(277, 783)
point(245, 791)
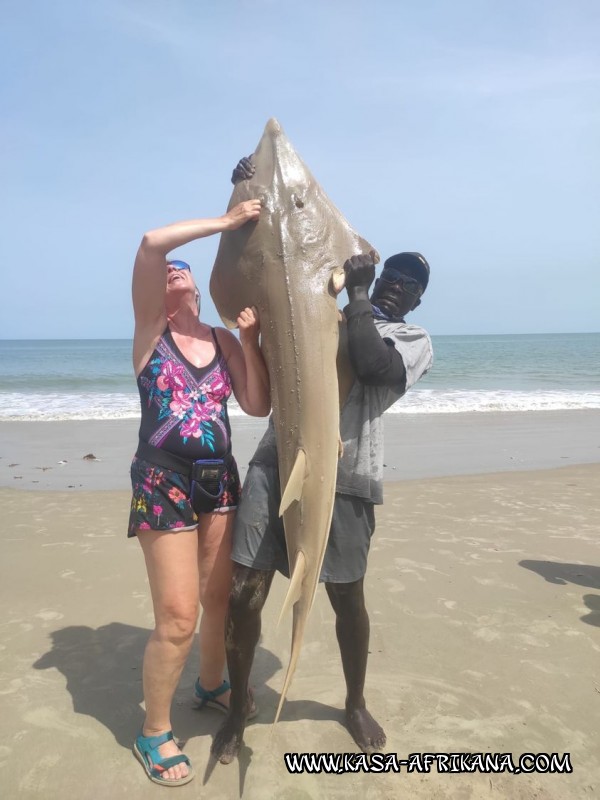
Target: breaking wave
point(50, 407)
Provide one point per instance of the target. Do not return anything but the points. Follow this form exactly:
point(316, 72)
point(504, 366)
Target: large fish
point(289, 265)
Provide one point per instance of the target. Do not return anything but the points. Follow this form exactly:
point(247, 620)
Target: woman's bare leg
point(172, 565)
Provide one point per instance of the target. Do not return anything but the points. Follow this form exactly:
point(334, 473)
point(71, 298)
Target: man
point(387, 356)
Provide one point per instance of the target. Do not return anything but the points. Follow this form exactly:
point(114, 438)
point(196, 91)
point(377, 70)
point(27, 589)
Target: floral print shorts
point(161, 498)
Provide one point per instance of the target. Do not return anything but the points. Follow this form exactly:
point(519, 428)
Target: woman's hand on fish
point(249, 326)
point(242, 213)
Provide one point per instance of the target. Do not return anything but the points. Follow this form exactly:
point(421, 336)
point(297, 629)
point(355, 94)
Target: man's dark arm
point(375, 361)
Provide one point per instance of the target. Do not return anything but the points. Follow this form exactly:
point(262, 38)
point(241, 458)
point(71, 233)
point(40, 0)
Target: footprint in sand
point(487, 634)
point(41, 778)
point(12, 687)
point(449, 604)
point(47, 614)
point(49, 718)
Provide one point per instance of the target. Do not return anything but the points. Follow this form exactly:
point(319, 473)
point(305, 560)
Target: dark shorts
point(259, 539)
point(161, 498)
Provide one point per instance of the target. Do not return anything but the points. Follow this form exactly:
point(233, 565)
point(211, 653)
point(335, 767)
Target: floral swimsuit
point(184, 412)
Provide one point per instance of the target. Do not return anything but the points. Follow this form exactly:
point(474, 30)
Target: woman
point(185, 372)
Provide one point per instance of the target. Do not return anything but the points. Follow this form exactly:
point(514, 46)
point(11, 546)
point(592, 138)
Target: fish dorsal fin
point(293, 490)
point(295, 586)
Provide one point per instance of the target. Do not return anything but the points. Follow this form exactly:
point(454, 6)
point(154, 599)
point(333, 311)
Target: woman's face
point(181, 288)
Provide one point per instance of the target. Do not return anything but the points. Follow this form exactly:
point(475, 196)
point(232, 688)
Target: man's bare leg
point(352, 629)
point(249, 591)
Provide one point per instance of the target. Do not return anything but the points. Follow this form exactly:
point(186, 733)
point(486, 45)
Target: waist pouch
point(206, 475)
point(208, 483)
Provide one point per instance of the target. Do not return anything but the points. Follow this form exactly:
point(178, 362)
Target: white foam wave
point(56, 407)
point(460, 401)
point(95, 406)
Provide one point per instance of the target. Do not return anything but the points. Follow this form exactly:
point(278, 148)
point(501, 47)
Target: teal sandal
point(145, 749)
point(206, 698)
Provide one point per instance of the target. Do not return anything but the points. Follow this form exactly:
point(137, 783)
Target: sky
point(468, 130)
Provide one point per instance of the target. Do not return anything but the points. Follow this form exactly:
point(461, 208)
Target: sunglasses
point(407, 284)
point(179, 265)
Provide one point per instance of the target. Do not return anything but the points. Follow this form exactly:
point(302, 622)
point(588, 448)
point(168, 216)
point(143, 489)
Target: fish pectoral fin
point(340, 447)
point(295, 587)
point(293, 490)
point(338, 280)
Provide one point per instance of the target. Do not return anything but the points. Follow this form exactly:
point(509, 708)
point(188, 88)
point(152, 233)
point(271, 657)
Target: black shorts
point(259, 539)
point(161, 498)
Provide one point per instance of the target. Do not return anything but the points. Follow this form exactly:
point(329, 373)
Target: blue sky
point(468, 130)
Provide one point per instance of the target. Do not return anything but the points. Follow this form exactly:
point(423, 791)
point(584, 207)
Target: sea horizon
point(433, 336)
point(62, 379)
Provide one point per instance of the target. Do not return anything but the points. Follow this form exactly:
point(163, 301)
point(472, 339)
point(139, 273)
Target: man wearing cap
point(387, 356)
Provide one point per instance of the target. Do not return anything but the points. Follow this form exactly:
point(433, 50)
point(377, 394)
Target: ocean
point(93, 378)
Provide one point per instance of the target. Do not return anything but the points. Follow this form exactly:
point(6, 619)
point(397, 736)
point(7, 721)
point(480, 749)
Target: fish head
point(299, 233)
point(312, 233)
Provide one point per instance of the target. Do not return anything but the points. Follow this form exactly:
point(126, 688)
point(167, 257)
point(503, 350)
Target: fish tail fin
point(300, 617)
point(295, 484)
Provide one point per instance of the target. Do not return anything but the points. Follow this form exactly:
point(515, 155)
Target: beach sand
point(483, 590)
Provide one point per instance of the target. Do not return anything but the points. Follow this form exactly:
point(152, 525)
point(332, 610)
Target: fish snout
point(273, 128)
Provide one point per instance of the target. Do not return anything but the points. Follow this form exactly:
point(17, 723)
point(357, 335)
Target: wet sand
point(484, 593)
point(49, 455)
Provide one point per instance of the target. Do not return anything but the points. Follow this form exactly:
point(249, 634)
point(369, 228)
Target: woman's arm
point(249, 374)
point(149, 273)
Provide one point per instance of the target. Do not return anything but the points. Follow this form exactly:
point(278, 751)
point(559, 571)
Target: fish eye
point(299, 204)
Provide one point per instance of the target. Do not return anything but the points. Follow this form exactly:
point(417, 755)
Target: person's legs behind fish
point(249, 591)
point(352, 629)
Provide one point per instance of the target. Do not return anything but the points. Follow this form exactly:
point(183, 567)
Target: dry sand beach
point(483, 587)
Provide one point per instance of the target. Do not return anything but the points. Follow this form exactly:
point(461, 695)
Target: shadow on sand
point(579, 574)
point(103, 670)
